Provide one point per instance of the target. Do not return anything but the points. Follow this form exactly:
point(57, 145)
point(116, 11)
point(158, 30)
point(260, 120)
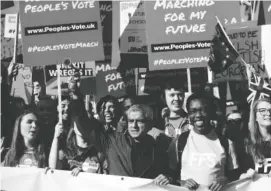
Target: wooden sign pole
point(59, 93)
point(14, 62)
point(189, 80)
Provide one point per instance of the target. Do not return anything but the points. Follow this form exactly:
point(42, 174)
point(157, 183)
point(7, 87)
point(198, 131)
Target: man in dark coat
point(134, 153)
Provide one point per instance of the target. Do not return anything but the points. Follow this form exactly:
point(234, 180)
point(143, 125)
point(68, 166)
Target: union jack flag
point(259, 88)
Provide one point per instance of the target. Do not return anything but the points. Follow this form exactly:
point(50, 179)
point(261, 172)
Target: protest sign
point(133, 27)
point(111, 82)
point(10, 26)
point(235, 72)
point(253, 47)
point(87, 73)
point(7, 45)
point(54, 31)
point(151, 82)
point(179, 32)
point(106, 20)
point(22, 86)
point(228, 12)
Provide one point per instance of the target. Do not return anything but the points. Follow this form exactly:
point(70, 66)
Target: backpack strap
point(182, 140)
point(225, 144)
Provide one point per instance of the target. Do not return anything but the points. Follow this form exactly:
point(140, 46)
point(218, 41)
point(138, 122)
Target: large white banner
point(34, 179)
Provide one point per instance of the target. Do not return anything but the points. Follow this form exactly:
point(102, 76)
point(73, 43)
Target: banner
point(10, 26)
point(253, 47)
point(87, 80)
point(35, 179)
point(75, 34)
point(179, 32)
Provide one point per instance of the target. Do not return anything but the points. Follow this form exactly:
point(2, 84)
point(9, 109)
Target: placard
point(133, 27)
point(111, 82)
point(253, 47)
point(106, 19)
point(56, 30)
point(7, 45)
point(87, 80)
point(22, 85)
point(150, 82)
point(235, 72)
point(179, 33)
point(10, 26)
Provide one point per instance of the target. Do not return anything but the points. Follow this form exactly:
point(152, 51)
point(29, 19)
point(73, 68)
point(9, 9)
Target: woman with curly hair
point(27, 149)
point(258, 143)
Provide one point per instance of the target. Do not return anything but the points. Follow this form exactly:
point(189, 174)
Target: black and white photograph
point(135, 95)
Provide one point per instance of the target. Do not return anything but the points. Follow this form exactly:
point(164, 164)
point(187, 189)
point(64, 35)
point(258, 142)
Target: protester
point(89, 110)
point(9, 109)
point(125, 105)
point(47, 111)
point(134, 153)
point(78, 155)
point(38, 91)
point(218, 119)
point(109, 111)
point(26, 149)
point(258, 143)
point(203, 157)
point(175, 117)
point(236, 130)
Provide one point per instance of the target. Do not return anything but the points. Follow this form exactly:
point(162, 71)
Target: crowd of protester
point(194, 144)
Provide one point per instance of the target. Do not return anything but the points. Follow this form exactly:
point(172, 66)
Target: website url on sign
point(180, 46)
point(187, 60)
point(60, 28)
point(62, 46)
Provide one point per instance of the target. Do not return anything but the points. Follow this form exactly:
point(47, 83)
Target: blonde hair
point(255, 142)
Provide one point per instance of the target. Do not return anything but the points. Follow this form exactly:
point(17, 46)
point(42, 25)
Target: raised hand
point(13, 69)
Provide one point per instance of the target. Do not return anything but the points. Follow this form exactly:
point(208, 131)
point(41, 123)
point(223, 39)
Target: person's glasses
point(264, 111)
point(193, 111)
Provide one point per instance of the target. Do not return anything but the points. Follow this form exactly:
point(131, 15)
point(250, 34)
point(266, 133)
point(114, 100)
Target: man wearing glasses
point(203, 157)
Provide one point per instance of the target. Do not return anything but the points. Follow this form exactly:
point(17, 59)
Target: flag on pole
point(222, 53)
point(259, 88)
